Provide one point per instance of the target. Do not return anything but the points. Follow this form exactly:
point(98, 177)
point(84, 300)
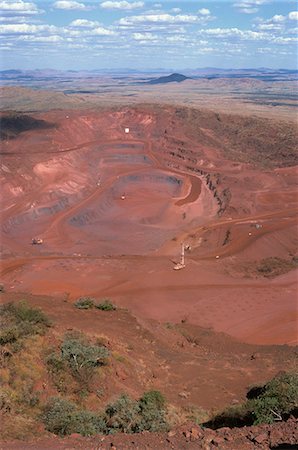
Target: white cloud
point(144, 36)
point(204, 12)
point(69, 5)
point(18, 7)
point(84, 23)
point(285, 40)
point(176, 39)
point(53, 38)
point(249, 6)
point(159, 18)
point(293, 15)
point(100, 31)
point(25, 28)
point(123, 5)
point(235, 33)
point(175, 10)
point(278, 18)
point(274, 23)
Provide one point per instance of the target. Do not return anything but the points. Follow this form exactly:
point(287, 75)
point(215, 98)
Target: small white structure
point(123, 197)
point(37, 241)
point(126, 130)
point(181, 264)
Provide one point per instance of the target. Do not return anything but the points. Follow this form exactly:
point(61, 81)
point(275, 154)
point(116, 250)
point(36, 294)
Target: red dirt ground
point(66, 185)
point(113, 210)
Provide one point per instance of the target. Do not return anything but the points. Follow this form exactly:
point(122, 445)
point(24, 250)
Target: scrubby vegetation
point(126, 415)
point(77, 359)
point(20, 320)
point(88, 303)
point(274, 266)
point(60, 383)
point(22, 337)
point(84, 303)
point(275, 400)
point(106, 305)
point(63, 417)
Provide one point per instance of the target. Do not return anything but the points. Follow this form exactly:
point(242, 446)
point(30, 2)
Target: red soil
point(66, 185)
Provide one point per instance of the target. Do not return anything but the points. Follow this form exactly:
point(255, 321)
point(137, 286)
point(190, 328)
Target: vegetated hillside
point(173, 78)
point(66, 379)
point(12, 124)
point(263, 142)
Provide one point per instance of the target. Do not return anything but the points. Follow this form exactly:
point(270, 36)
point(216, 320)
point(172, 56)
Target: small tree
point(83, 357)
point(123, 415)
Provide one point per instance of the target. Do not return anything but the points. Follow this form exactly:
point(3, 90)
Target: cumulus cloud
point(274, 23)
point(84, 23)
point(285, 40)
point(235, 33)
point(204, 12)
point(159, 18)
point(18, 7)
point(144, 37)
point(47, 39)
point(249, 6)
point(24, 28)
point(123, 5)
point(293, 15)
point(68, 4)
point(100, 31)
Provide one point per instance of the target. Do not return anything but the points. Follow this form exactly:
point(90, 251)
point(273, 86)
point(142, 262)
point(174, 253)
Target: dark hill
point(174, 77)
point(14, 124)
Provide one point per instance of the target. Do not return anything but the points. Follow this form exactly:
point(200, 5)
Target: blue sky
point(140, 34)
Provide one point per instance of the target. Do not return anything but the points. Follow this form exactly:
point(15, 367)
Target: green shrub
point(84, 303)
point(131, 416)
point(89, 423)
point(123, 415)
point(276, 400)
point(20, 320)
point(63, 417)
point(279, 398)
point(82, 357)
point(22, 312)
point(9, 335)
point(58, 416)
point(153, 412)
point(106, 305)
point(55, 363)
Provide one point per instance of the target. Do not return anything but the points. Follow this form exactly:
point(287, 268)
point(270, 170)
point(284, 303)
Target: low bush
point(21, 320)
point(82, 357)
point(279, 399)
point(153, 412)
point(58, 416)
point(63, 417)
point(123, 415)
point(106, 305)
point(84, 303)
point(132, 416)
point(276, 400)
